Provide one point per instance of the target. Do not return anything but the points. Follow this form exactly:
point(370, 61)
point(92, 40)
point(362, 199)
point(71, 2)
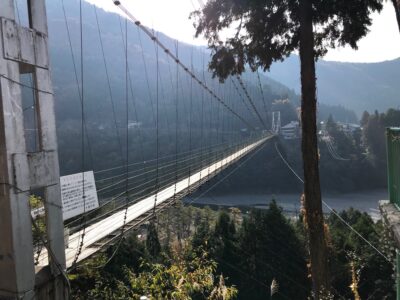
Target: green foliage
point(130, 253)
point(183, 279)
point(187, 276)
point(227, 256)
point(152, 243)
point(93, 281)
point(38, 231)
point(224, 244)
point(201, 236)
point(374, 132)
point(374, 137)
point(347, 146)
point(269, 31)
point(35, 202)
point(365, 149)
point(375, 273)
point(270, 249)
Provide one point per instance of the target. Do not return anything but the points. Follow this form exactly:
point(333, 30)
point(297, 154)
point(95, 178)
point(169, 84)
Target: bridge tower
point(276, 122)
point(24, 50)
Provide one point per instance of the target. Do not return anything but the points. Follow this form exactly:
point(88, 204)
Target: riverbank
point(290, 203)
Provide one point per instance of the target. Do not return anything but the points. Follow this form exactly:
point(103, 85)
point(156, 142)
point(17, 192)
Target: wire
point(76, 75)
point(262, 97)
point(176, 121)
point(146, 75)
point(287, 164)
point(202, 107)
point(161, 166)
point(134, 105)
point(226, 176)
point(25, 85)
point(53, 256)
point(127, 151)
point(250, 100)
point(190, 107)
point(333, 152)
point(244, 150)
point(157, 132)
point(251, 276)
point(334, 211)
point(148, 161)
point(176, 59)
point(242, 98)
point(133, 195)
point(143, 184)
point(82, 237)
point(108, 81)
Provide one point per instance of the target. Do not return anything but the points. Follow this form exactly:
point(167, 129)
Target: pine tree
point(152, 242)
point(364, 118)
point(201, 237)
point(269, 249)
point(224, 243)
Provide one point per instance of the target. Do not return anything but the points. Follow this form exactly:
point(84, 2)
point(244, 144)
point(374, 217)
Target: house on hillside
point(348, 128)
point(134, 125)
point(291, 130)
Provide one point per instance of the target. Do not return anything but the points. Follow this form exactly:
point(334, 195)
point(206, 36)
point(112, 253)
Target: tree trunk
point(396, 4)
point(312, 190)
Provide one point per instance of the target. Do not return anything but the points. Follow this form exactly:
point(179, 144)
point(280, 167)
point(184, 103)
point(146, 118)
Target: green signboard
point(393, 151)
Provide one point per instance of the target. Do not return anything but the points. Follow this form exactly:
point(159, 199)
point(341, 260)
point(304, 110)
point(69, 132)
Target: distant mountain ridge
point(64, 78)
point(100, 108)
point(356, 86)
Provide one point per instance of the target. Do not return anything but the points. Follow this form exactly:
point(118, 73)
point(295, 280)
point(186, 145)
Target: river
point(290, 203)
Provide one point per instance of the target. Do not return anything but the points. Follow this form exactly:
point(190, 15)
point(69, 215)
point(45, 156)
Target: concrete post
point(24, 50)
point(397, 274)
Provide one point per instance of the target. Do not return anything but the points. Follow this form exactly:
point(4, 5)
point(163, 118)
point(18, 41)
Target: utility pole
point(24, 50)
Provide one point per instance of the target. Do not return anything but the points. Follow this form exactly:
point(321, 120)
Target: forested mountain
point(105, 134)
point(356, 86)
point(100, 106)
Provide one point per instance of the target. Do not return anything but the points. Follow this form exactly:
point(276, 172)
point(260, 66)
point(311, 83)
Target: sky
point(172, 18)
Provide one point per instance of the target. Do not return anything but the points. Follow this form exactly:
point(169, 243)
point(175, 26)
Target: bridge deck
point(112, 224)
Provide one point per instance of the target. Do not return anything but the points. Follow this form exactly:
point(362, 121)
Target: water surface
point(290, 203)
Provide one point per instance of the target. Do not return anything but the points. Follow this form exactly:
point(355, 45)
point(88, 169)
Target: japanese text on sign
point(77, 197)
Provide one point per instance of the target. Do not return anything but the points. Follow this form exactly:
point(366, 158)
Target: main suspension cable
point(176, 59)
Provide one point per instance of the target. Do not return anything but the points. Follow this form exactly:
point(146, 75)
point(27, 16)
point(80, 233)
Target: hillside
point(356, 86)
point(142, 64)
point(141, 49)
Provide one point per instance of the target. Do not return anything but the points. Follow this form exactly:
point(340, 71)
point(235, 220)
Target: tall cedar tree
point(152, 242)
point(396, 4)
point(223, 244)
point(268, 31)
point(268, 249)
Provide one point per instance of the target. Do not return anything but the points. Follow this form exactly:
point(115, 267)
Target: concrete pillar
point(25, 50)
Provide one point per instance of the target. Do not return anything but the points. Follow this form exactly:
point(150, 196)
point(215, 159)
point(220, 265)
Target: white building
point(291, 131)
point(348, 128)
point(134, 125)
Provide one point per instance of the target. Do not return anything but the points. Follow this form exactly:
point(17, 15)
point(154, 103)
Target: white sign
point(72, 191)
point(38, 212)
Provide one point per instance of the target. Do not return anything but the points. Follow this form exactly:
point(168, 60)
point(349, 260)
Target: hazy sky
point(171, 18)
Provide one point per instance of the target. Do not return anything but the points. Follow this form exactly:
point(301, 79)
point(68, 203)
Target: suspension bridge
point(101, 233)
point(194, 127)
point(188, 132)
